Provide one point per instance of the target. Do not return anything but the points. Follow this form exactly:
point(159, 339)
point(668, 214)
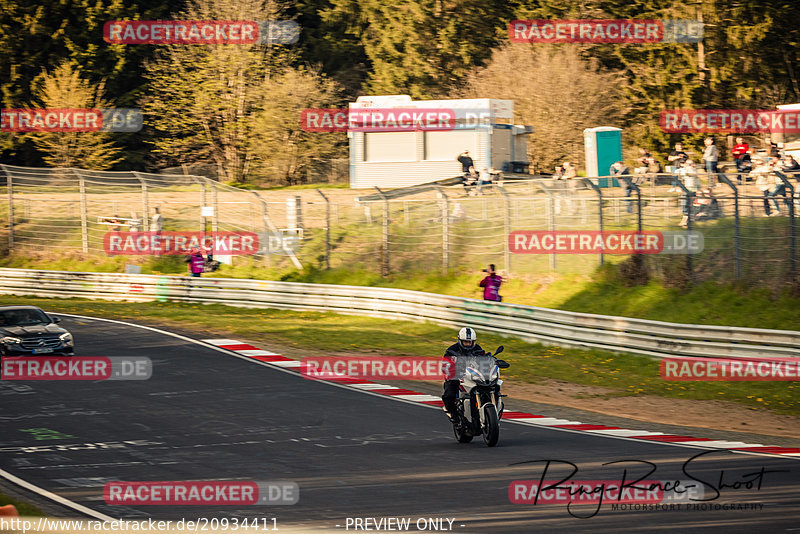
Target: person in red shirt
point(739, 150)
point(491, 284)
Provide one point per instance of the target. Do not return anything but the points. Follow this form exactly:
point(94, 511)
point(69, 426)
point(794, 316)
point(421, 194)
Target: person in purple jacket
point(196, 261)
point(491, 284)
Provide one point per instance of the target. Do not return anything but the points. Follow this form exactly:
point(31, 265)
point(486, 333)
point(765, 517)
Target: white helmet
point(467, 337)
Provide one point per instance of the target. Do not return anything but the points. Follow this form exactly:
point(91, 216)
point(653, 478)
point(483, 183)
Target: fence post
point(384, 234)
point(445, 230)
point(689, 202)
point(145, 205)
point(203, 185)
point(792, 230)
point(84, 222)
point(269, 226)
point(737, 267)
point(551, 219)
point(215, 218)
point(265, 223)
point(599, 192)
point(327, 230)
point(10, 190)
point(506, 227)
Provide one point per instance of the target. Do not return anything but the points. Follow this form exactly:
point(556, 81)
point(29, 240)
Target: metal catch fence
point(441, 229)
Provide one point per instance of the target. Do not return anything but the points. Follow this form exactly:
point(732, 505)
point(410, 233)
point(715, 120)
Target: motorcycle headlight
point(475, 375)
point(495, 373)
point(8, 340)
point(66, 338)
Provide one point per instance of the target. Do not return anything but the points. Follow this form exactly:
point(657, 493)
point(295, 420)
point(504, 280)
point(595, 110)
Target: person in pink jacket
point(196, 261)
point(491, 284)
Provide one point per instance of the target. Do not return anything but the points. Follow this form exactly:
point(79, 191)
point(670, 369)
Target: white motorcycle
point(480, 404)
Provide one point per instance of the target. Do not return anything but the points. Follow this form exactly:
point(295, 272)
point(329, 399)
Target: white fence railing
point(556, 327)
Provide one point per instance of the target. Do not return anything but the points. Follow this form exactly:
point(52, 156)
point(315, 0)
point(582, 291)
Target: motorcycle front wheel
point(491, 425)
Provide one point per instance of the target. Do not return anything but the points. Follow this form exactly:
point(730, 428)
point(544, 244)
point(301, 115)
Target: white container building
point(404, 157)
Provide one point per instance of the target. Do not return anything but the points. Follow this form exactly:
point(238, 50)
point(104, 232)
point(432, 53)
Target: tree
point(202, 99)
point(280, 148)
point(65, 88)
point(554, 90)
point(421, 47)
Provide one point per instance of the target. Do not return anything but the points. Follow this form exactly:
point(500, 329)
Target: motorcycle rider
point(466, 348)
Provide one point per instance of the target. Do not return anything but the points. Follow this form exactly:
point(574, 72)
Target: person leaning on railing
point(711, 157)
point(676, 159)
point(688, 174)
point(765, 182)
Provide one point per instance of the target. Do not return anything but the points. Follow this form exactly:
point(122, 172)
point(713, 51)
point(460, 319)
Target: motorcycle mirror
point(499, 350)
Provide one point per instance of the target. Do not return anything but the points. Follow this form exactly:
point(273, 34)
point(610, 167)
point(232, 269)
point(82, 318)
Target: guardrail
point(555, 327)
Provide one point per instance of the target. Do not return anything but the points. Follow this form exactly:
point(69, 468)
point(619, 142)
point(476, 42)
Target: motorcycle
point(480, 404)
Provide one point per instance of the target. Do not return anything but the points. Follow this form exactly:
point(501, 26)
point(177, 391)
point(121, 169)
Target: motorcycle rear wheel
point(461, 433)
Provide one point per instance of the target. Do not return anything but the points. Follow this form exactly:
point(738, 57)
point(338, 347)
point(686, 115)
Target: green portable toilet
point(603, 148)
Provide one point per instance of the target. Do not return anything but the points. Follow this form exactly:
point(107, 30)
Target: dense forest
point(236, 108)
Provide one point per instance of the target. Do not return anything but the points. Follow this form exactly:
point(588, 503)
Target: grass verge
point(625, 375)
point(24, 509)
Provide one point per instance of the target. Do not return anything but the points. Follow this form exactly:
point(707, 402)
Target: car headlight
point(10, 340)
point(66, 338)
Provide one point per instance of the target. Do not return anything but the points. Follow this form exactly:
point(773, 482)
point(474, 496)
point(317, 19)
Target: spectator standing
point(485, 178)
point(642, 162)
point(196, 262)
point(491, 284)
point(466, 162)
point(711, 157)
point(745, 165)
point(773, 149)
point(739, 150)
point(676, 159)
point(779, 189)
point(157, 226)
point(643, 157)
point(688, 172)
point(789, 165)
point(765, 182)
point(570, 174)
point(157, 222)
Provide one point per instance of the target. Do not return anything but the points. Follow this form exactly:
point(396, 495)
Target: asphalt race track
point(208, 415)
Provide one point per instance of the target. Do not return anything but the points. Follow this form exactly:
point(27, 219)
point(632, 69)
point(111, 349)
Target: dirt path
point(718, 415)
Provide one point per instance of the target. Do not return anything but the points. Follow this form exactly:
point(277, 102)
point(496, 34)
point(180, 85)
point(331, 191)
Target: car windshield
point(23, 317)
